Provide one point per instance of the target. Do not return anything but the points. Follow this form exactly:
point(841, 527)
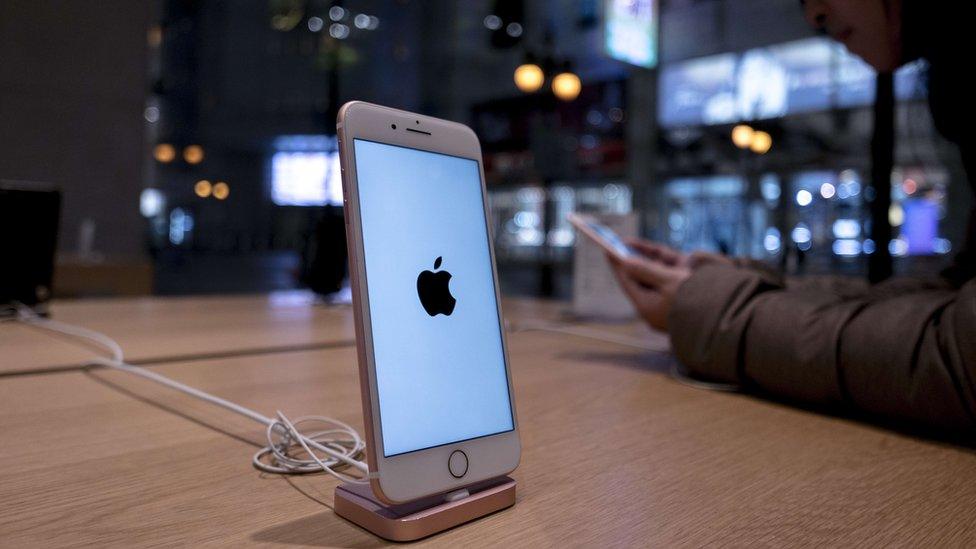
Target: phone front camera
point(393, 126)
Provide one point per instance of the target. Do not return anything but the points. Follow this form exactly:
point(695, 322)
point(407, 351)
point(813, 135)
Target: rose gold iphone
point(433, 362)
point(603, 236)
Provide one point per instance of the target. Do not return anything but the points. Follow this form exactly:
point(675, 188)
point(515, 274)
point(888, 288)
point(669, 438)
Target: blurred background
point(193, 141)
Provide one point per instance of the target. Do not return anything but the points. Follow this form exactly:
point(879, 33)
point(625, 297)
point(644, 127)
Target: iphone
point(438, 404)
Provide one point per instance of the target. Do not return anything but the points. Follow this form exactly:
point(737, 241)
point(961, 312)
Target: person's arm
point(756, 265)
point(845, 286)
point(909, 357)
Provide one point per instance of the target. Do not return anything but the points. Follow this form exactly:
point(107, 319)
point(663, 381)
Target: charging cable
point(678, 372)
point(544, 326)
point(289, 450)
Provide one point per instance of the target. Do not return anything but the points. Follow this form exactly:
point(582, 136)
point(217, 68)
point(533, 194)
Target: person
point(900, 349)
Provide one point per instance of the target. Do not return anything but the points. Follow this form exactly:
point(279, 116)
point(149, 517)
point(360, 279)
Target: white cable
point(682, 376)
point(286, 444)
point(341, 442)
point(543, 326)
point(291, 464)
point(678, 373)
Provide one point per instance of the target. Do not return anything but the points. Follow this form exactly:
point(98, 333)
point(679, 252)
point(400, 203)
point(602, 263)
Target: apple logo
point(434, 294)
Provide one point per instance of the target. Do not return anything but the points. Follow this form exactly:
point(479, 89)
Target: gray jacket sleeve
point(903, 355)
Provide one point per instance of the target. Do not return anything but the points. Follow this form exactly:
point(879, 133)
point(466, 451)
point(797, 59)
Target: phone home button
point(458, 464)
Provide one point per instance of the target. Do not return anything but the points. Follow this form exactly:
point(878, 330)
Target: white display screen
point(306, 178)
point(436, 334)
point(630, 34)
point(807, 75)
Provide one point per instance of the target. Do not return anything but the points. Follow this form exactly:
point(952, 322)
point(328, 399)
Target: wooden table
point(153, 330)
point(616, 453)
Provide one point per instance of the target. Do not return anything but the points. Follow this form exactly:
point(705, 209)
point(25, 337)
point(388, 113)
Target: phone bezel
point(409, 476)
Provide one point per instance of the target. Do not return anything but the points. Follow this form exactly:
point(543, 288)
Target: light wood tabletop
point(153, 329)
point(616, 453)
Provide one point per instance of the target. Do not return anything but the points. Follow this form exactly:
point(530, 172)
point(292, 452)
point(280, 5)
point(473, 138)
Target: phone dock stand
point(424, 517)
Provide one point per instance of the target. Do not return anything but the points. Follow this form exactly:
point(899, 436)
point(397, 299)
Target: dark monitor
point(29, 215)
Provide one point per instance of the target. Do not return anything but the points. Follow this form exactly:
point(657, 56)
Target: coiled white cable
point(289, 451)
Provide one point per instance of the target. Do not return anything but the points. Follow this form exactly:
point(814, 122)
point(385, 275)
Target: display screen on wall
point(630, 31)
point(807, 75)
point(305, 171)
point(306, 179)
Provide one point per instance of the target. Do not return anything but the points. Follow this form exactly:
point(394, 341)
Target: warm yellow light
point(742, 136)
point(193, 154)
point(566, 86)
point(221, 190)
point(164, 152)
point(761, 143)
point(529, 77)
point(203, 188)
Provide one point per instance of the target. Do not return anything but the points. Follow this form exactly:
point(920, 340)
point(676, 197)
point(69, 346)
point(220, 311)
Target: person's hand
point(673, 258)
point(651, 279)
point(651, 285)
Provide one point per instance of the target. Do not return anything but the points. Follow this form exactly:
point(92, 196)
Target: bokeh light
point(566, 86)
point(164, 153)
point(221, 190)
point(203, 188)
point(529, 77)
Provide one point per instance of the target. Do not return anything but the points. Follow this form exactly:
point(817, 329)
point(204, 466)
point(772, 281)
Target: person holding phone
point(902, 350)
